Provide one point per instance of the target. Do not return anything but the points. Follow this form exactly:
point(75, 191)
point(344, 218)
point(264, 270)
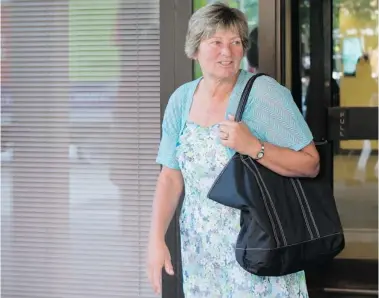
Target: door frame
point(175, 70)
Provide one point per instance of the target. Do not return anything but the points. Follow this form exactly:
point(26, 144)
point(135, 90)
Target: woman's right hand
point(158, 257)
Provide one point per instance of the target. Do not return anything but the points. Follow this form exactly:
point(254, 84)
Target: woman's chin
point(227, 73)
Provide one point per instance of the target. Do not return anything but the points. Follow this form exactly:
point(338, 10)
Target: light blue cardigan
point(271, 115)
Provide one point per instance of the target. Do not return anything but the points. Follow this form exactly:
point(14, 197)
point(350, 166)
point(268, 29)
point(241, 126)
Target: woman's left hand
point(236, 135)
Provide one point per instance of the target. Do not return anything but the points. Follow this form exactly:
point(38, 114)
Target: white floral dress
point(209, 230)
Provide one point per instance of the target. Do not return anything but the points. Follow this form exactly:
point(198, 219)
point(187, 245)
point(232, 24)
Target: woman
point(199, 137)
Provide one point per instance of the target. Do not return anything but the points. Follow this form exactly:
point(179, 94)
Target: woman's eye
point(237, 42)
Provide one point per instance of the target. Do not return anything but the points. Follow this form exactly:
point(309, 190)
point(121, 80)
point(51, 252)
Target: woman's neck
point(217, 89)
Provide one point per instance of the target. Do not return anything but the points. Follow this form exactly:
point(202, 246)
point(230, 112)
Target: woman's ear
point(195, 56)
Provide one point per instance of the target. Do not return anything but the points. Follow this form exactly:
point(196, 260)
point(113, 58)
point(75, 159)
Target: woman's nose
point(226, 51)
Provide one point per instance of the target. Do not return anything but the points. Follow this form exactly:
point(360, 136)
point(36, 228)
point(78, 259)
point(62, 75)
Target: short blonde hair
point(207, 20)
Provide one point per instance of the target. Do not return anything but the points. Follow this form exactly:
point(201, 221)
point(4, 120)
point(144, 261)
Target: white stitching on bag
point(309, 209)
point(265, 202)
point(302, 208)
point(272, 203)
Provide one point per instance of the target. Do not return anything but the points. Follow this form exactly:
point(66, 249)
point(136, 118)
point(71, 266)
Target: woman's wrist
point(156, 234)
point(255, 148)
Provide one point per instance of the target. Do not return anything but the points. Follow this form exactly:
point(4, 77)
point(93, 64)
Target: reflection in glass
point(354, 84)
point(80, 120)
point(356, 169)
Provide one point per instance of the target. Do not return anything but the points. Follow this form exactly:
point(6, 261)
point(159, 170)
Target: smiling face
point(220, 55)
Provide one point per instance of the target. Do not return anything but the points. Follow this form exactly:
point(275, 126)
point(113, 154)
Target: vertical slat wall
point(80, 129)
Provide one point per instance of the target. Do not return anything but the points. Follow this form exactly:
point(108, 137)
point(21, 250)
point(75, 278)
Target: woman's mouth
point(226, 63)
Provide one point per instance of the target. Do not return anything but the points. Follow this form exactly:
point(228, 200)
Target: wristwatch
point(261, 152)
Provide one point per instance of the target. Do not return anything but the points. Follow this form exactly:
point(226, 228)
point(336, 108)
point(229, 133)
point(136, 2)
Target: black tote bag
point(287, 224)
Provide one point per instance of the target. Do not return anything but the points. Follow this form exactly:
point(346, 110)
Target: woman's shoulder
point(268, 97)
point(183, 93)
point(179, 101)
point(266, 82)
point(267, 88)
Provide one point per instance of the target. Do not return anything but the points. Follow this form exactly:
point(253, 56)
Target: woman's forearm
point(287, 162)
point(167, 196)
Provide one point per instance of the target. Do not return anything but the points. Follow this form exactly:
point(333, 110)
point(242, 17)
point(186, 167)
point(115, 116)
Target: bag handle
point(245, 96)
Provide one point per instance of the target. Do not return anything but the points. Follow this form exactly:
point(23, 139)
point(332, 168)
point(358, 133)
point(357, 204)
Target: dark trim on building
point(167, 45)
point(271, 38)
point(267, 37)
point(319, 94)
point(342, 278)
point(281, 47)
point(167, 85)
point(320, 70)
point(296, 63)
point(175, 69)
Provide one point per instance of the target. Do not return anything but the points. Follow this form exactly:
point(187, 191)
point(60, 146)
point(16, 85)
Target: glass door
point(336, 87)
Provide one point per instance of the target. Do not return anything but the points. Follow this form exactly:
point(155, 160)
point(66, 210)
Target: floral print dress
point(209, 230)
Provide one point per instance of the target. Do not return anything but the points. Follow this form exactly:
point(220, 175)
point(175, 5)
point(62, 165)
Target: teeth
point(225, 63)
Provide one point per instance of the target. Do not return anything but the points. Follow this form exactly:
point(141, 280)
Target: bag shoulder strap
point(245, 96)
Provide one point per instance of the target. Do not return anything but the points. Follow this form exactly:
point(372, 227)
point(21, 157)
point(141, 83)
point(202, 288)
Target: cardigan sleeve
point(274, 116)
point(170, 131)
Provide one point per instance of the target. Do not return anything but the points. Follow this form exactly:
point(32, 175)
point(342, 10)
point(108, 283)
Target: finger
point(157, 280)
point(223, 129)
point(227, 123)
point(223, 135)
point(227, 129)
point(225, 143)
point(168, 267)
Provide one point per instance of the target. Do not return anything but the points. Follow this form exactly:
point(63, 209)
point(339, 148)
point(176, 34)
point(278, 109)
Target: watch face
point(260, 155)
